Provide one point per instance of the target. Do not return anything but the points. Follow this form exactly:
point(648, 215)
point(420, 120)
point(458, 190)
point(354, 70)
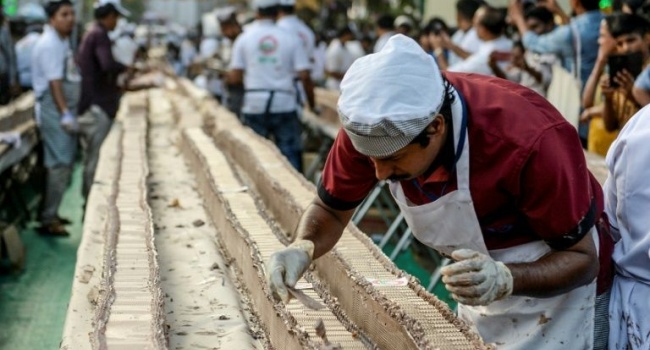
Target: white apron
point(517, 322)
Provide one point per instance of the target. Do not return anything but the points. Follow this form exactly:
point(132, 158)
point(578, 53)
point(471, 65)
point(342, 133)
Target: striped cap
point(388, 98)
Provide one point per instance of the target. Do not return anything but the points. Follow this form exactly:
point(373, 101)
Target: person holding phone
point(533, 74)
point(623, 50)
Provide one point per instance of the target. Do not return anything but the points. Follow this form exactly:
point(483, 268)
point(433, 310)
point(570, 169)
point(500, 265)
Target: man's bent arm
point(557, 272)
point(323, 225)
point(56, 88)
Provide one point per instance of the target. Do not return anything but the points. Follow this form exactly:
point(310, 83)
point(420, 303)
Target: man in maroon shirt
point(519, 225)
point(100, 95)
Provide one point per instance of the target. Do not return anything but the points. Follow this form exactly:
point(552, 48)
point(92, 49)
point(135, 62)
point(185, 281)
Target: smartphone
point(632, 62)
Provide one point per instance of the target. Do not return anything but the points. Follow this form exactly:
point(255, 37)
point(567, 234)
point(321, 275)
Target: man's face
point(630, 43)
point(230, 30)
point(111, 21)
point(412, 160)
point(538, 27)
point(63, 20)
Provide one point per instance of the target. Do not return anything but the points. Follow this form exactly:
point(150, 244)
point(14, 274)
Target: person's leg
point(287, 131)
point(56, 182)
point(94, 126)
point(257, 122)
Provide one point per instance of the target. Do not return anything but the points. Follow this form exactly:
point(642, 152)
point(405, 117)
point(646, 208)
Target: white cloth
point(468, 41)
point(478, 61)
point(48, 60)
point(627, 203)
point(382, 40)
point(24, 48)
point(516, 322)
point(339, 59)
point(270, 58)
point(209, 47)
point(124, 49)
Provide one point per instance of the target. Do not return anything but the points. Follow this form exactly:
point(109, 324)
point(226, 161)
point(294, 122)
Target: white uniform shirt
point(270, 57)
point(293, 24)
point(382, 40)
point(339, 59)
point(627, 197)
point(24, 48)
point(478, 62)
point(468, 41)
point(48, 60)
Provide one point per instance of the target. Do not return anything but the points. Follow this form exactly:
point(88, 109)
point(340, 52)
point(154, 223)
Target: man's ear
point(437, 125)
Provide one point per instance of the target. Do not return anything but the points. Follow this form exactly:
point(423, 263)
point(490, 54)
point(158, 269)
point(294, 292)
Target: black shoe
point(54, 229)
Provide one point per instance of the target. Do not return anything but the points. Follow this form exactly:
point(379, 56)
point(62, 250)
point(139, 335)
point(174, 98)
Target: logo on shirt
point(268, 46)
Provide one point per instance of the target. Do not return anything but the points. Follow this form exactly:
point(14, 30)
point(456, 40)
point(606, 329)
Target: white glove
point(287, 266)
point(69, 122)
point(476, 279)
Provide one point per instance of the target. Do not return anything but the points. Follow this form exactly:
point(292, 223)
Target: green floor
point(33, 304)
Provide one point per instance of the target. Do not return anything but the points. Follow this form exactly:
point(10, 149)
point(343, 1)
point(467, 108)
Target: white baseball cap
point(260, 4)
point(389, 97)
point(117, 4)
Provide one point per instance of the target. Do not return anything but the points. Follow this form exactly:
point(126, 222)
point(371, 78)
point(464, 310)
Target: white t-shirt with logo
point(270, 58)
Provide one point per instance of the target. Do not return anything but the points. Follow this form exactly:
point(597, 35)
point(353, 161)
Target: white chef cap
point(225, 13)
point(388, 98)
point(260, 4)
point(287, 2)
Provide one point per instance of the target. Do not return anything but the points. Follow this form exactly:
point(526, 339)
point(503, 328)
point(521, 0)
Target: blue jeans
point(286, 132)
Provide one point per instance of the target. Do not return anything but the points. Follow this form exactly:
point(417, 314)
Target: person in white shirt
point(490, 25)
point(464, 41)
point(339, 59)
point(265, 59)
point(24, 48)
point(385, 29)
point(56, 82)
point(627, 204)
point(208, 50)
point(230, 29)
point(289, 21)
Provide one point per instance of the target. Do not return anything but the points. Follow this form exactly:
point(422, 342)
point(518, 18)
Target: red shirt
point(528, 175)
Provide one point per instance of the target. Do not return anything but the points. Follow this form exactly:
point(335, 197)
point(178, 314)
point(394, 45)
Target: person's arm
point(610, 118)
point(308, 85)
point(558, 272)
point(558, 41)
point(56, 88)
point(589, 93)
point(323, 225)
point(606, 45)
point(235, 77)
point(494, 66)
point(449, 45)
